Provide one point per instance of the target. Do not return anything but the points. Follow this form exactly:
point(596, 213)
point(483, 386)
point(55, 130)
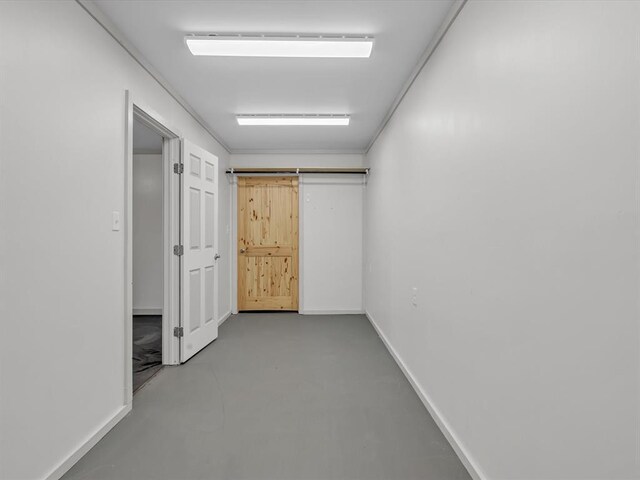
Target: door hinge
point(178, 332)
point(178, 168)
point(178, 250)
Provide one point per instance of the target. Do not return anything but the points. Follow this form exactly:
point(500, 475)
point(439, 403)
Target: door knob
point(216, 256)
point(242, 250)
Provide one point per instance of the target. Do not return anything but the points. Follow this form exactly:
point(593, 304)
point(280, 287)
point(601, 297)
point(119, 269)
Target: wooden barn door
point(267, 243)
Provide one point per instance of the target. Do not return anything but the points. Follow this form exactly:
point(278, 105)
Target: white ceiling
point(218, 88)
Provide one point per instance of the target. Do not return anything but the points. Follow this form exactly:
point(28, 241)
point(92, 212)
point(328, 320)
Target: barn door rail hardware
point(296, 171)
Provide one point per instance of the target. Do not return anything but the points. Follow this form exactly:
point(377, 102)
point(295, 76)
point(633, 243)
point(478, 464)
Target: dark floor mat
point(147, 348)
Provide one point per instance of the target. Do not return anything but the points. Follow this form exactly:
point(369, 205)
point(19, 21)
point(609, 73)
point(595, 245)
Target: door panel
point(267, 243)
point(198, 263)
point(269, 276)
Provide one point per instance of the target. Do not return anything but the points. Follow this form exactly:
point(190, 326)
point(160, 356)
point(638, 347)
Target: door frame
point(233, 207)
point(136, 109)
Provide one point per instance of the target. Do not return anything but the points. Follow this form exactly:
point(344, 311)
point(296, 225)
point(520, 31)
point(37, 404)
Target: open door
point(199, 211)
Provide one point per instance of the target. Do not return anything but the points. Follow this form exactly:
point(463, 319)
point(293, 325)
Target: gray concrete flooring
point(278, 396)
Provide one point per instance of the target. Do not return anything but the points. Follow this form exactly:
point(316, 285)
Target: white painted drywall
point(331, 243)
point(148, 258)
point(293, 160)
point(62, 86)
point(505, 189)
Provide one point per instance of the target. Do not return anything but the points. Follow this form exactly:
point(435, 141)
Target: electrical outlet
point(414, 296)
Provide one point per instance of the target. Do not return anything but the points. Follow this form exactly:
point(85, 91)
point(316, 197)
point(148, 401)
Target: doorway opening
point(152, 229)
point(174, 254)
point(147, 259)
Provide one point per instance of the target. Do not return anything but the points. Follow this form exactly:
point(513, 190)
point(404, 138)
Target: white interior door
point(199, 272)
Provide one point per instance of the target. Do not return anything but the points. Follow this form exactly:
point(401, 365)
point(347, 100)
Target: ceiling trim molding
point(295, 152)
point(451, 16)
point(105, 22)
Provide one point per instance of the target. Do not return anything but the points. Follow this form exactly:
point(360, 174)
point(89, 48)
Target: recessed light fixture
point(245, 45)
point(312, 120)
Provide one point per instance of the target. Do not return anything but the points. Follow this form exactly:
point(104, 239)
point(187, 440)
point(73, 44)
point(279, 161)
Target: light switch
point(115, 221)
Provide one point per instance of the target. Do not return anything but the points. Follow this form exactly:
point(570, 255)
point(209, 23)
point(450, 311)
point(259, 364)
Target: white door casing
point(199, 272)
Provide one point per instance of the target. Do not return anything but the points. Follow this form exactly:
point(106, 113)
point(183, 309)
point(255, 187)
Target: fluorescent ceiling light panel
point(293, 46)
point(311, 120)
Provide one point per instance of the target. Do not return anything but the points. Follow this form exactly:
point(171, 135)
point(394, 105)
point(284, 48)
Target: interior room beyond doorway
point(148, 274)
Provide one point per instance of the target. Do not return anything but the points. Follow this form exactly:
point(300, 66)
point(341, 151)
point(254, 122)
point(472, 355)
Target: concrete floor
point(278, 396)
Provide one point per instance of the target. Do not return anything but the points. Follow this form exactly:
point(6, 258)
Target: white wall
point(297, 160)
point(62, 86)
point(331, 243)
point(505, 189)
point(148, 257)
